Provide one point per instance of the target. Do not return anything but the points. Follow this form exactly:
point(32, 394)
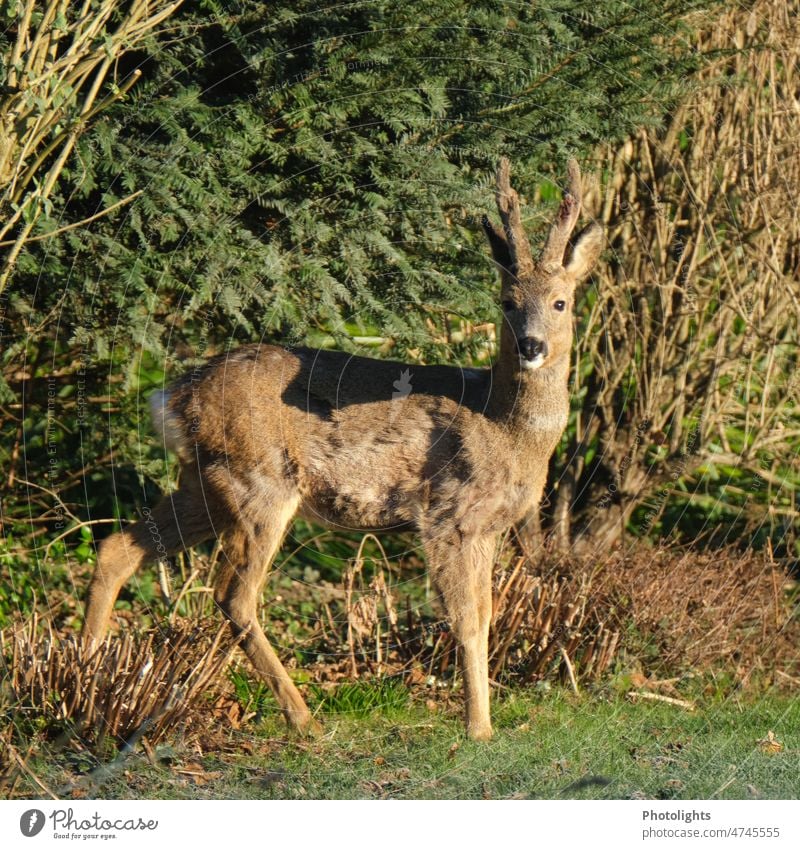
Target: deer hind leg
point(462, 573)
point(178, 521)
point(249, 552)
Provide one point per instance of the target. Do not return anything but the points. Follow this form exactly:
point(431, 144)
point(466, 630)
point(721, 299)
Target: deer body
point(459, 455)
point(323, 425)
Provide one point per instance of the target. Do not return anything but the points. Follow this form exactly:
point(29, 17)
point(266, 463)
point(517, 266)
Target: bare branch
point(57, 74)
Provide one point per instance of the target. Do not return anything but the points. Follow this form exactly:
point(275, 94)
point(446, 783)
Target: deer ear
point(498, 242)
point(585, 252)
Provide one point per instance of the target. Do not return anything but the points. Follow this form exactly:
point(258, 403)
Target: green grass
point(360, 698)
point(547, 745)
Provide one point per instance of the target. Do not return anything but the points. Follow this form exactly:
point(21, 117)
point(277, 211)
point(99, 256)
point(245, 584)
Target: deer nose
point(530, 348)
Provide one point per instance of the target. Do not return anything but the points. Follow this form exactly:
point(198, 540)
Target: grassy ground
point(547, 745)
point(384, 740)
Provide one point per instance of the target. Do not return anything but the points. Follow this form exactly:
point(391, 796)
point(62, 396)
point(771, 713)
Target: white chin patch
point(531, 365)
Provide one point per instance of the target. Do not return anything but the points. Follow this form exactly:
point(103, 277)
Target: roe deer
point(458, 454)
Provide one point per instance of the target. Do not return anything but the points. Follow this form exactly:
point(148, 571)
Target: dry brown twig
point(133, 684)
point(634, 695)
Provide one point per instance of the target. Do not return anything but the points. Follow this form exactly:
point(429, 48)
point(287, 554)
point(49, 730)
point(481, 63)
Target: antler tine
point(566, 219)
point(508, 207)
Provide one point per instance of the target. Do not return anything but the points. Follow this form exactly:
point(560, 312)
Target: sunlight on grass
point(380, 741)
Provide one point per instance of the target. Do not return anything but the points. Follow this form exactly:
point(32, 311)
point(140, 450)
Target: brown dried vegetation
point(131, 685)
point(688, 611)
point(689, 353)
point(661, 611)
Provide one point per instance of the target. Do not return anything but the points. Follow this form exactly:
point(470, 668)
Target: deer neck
point(529, 401)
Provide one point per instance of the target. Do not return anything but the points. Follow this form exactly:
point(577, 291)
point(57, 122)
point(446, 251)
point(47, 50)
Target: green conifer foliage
point(312, 175)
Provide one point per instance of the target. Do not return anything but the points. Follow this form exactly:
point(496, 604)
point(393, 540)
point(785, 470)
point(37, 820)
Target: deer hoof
point(306, 726)
point(481, 733)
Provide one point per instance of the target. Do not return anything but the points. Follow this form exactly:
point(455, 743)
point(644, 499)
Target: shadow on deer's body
point(265, 434)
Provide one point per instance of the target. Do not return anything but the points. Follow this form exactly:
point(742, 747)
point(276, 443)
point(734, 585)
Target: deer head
point(537, 295)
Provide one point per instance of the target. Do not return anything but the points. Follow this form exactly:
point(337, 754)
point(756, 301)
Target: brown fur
point(266, 433)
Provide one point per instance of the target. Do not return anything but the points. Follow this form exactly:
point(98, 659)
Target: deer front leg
point(462, 573)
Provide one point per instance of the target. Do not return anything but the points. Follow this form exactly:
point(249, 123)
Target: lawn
point(548, 744)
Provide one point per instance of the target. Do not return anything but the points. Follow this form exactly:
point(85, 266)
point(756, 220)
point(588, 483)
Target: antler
point(566, 219)
point(508, 207)
point(519, 250)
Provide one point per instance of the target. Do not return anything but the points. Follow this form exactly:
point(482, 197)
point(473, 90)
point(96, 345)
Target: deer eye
point(509, 306)
point(560, 305)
